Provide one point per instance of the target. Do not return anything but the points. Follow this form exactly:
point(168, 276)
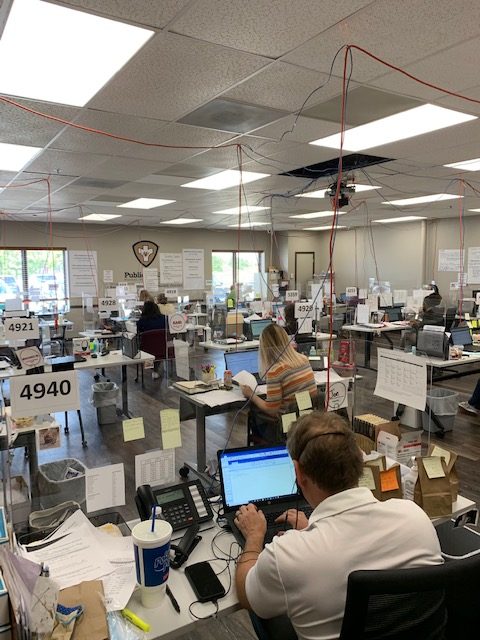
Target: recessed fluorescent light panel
point(321, 192)
point(435, 197)
point(243, 209)
point(314, 214)
point(225, 179)
point(145, 203)
point(14, 157)
point(466, 165)
point(49, 52)
point(99, 217)
point(324, 228)
point(182, 221)
point(250, 224)
point(402, 219)
point(400, 126)
point(475, 210)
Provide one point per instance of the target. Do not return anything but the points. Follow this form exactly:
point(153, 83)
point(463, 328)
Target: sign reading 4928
point(44, 393)
point(21, 328)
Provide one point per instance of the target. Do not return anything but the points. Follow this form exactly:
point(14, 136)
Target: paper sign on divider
point(170, 427)
point(133, 429)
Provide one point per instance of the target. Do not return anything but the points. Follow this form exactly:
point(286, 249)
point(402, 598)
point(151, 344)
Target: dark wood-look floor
point(106, 446)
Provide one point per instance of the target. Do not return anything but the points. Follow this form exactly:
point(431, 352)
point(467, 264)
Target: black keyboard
point(273, 515)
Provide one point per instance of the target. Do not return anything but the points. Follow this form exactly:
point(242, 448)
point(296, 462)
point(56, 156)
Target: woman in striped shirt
point(286, 373)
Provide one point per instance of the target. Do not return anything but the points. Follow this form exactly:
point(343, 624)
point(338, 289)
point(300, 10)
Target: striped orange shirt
point(283, 383)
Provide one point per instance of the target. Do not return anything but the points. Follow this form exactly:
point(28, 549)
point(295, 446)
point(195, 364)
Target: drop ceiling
point(256, 63)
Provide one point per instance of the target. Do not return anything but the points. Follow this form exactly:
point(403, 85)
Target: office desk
point(239, 346)
point(232, 400)
point(165, 622)
point(113, 359)
point(369, 334)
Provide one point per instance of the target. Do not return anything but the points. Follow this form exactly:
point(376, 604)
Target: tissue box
point(400, 449)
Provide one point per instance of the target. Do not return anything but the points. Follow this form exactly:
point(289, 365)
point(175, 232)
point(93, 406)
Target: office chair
point(156, 342)
point(432, 603)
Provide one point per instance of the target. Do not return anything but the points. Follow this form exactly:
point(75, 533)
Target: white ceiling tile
point(285, 86)
point(141, 12)
point(68, 163)
point(21, 127)
point(263, 27)
point(172, 75)
point(398, 32)
point(116, 168)
point(297, 130)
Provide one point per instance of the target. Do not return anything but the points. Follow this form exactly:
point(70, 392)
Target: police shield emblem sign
point(145, 252)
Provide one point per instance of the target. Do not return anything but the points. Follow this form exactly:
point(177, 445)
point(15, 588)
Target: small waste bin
point(104, 399)
point(61, 481)
point(443, 403)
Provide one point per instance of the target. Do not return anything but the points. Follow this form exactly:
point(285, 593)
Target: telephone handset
point(182, 504)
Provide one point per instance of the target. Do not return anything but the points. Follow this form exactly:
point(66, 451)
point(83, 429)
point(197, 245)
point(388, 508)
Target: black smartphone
point(204, 582)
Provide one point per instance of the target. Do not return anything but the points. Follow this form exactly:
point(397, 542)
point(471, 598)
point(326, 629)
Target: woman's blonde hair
point(276, 346)
point(145, 295)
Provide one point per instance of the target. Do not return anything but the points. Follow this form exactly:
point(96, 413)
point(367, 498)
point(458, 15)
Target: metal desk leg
point(31, 444)
point(125, 410)
point(201, 445)
point(368, 348)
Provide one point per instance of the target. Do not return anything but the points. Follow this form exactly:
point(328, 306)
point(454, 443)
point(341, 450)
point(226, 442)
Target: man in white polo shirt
point(303, 573)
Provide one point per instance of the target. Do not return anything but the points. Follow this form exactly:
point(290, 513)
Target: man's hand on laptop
point(296, 519)
point(251, 523)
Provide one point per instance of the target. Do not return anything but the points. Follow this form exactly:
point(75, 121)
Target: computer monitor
point(237, 361)
point(257, 326)
point(461, 336)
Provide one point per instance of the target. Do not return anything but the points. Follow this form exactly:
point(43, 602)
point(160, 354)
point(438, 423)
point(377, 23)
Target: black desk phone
point(182, 504)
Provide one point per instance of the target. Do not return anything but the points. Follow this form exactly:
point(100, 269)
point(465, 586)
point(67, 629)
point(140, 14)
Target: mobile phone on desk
point(204, 582)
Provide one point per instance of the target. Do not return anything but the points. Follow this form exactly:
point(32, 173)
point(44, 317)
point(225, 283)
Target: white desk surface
point(389, 326)
point(51, 323)
point(473, 358)
point(97, 333)
point(113, 359)
point(239, 346)
point(165, 622)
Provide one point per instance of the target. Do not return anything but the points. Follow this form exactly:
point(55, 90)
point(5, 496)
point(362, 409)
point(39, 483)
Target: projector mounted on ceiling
point(343, 195)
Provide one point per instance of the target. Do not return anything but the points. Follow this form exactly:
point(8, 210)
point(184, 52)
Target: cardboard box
point(234, 324)
point(400, 448)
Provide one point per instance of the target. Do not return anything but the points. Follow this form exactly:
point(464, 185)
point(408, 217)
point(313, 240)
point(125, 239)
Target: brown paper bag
point(365, 444)
point(450, 459)
point(433, 494)
point(392, 427)
point(390, 483)
point(92, 624)
point(379, 462)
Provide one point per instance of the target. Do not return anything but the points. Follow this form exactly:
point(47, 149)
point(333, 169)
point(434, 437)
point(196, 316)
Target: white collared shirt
point(304, 573)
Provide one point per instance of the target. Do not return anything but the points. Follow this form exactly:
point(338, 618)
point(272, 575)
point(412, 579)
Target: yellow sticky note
point(305, 412)
point(442, 453)
point(367, 479)
point(133, 429)
point(170, 425)
point(433, 467)
point(287, 420)
point(304, 400)
point(389, 480)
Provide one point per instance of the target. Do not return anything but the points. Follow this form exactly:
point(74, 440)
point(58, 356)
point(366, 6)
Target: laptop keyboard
point(271, 516)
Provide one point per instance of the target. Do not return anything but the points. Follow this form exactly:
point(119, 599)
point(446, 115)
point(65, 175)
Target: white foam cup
point(152, 559)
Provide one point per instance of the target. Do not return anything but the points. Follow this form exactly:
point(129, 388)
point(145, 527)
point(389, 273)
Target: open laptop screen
point(461, 336)
point(242, 361)
point(256, 474)
point(257, 326)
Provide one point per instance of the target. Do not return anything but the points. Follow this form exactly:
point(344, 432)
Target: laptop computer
point(462, 336)
point(257, 326)
point(237, 361)
point(264, 476)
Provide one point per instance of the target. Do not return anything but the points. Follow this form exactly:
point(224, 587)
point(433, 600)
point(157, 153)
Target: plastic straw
point(154, 513)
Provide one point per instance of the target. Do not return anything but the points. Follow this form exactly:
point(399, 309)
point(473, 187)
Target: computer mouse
point(94, 355)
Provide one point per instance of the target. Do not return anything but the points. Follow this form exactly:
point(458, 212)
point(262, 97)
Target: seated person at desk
point(432, 312)
point(286, 373)
point(144, 295)
point(304, 572)
point(472, 405)
point(291, 324)
point(151, 318)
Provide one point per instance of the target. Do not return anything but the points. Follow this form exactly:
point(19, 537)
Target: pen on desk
point(134, 619)
point(172, 599)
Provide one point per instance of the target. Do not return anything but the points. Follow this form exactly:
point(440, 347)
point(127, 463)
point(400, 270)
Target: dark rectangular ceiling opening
point(330, 167)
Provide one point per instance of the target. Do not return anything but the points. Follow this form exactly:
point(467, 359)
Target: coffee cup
point(152, 559)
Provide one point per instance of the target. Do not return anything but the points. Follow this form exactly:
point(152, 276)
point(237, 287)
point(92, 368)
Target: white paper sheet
point(473, 265)
point(449, 259)
point(105, 487)
point(155, 467)
point(402, 378)
point(119, 585)
point(363, 313)
point(193, 269)
point(218, 398)
point(83, 272)
point(246, 378)
point(400, 296)
point(181, 359)
point(171, 268)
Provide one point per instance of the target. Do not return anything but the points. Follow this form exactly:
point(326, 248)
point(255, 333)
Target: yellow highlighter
point(134, 619)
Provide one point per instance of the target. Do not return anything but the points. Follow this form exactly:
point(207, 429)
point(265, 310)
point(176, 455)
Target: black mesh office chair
point(429, 603)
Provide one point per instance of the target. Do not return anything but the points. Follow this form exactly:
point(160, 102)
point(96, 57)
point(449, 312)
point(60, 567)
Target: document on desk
point(218, 398)
point(402, 378)
point(120, 584)
point(72, 556)
point(245, 378)
point(105, 487)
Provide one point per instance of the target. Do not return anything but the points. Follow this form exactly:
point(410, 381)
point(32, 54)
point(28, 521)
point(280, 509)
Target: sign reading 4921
point(44, 393)
point(21, 328)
